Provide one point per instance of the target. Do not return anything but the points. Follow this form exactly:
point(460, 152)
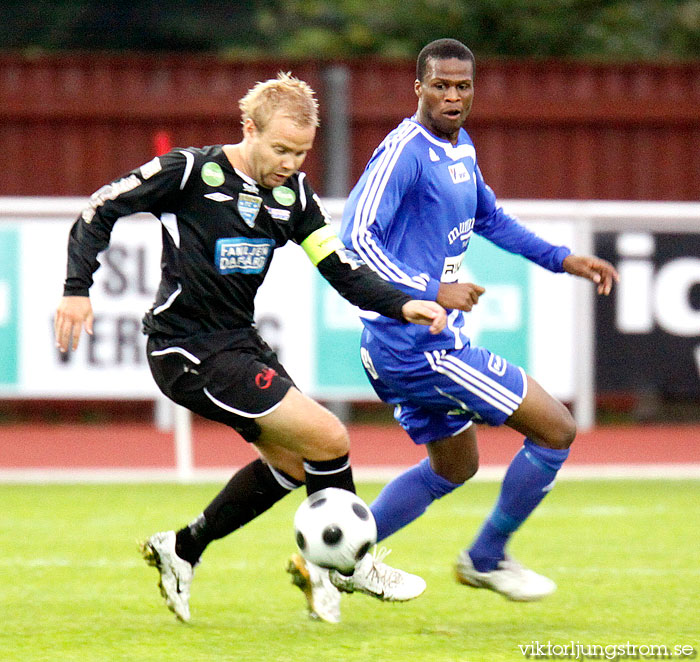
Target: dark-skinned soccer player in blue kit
point(410, 218)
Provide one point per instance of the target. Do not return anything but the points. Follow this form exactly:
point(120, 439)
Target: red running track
point(46, 446)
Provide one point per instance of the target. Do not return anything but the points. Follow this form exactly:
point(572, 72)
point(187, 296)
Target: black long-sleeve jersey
point(219, 229)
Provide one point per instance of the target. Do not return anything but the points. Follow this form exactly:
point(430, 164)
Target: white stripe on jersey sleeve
point(189, 157)
point(169, 221)
point(366, 213)
point(169, 301)
point(302, 192)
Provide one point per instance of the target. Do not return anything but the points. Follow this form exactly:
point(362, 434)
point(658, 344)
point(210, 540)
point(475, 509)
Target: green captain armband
point(321, 243)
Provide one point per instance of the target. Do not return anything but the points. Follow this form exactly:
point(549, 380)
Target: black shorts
point(232, 377)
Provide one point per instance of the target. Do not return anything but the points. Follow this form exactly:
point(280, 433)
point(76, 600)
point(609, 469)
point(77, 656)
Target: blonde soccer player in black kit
point(224, 210)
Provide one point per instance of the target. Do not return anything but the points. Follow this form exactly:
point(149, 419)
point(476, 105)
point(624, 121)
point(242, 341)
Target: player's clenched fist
point(463, 296)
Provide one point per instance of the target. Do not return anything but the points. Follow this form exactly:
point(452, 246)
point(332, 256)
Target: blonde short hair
point(292, 96)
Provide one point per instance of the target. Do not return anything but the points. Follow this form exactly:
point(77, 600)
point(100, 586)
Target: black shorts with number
point(232, 377)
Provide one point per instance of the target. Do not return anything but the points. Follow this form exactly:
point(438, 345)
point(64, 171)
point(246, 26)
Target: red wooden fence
point(68, 124)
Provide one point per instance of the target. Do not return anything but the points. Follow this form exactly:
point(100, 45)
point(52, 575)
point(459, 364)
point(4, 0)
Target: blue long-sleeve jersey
point(410, 218)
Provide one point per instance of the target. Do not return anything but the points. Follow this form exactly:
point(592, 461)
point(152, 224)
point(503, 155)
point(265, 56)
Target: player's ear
point(418, 88)
point(250, 130)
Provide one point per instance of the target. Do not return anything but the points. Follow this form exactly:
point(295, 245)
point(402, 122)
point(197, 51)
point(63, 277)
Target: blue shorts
point(439, 393)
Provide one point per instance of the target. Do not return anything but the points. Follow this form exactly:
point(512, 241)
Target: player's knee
point(470, 469)
point(338, 441)
point(460, 477)
point(457, 473)
point(330, 442)
point(564, 433)
point(462, 473)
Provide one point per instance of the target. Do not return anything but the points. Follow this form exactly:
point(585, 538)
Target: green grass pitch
point(625, 554)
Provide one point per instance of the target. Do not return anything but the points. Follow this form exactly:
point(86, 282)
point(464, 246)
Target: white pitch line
point(243, 565)
point(644, 571)
point(58, 562)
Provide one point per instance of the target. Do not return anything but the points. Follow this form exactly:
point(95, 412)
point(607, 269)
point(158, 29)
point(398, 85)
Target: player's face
point(445, 96)
point(277, 151)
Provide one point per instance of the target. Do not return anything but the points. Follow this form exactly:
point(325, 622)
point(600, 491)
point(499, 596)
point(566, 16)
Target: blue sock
point(527, 481)
point(407, 496)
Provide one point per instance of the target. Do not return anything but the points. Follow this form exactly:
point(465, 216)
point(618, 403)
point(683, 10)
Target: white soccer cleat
point(375, 578)
point(322, 597)
point(510, 579)
point(175, 573)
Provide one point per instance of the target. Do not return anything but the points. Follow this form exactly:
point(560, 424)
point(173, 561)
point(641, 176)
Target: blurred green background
point(590, 29)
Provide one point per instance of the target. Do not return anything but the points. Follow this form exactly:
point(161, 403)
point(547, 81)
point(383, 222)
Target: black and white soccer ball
point(334, 528)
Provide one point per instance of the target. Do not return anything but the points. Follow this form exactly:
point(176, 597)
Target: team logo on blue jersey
point(497, 365)
point(242, 255)
point(458, 172)
point(248, 208)
point(463, 231)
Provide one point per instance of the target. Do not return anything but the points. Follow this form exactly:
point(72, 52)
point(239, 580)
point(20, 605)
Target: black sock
point(329, 473)
point(250, 492)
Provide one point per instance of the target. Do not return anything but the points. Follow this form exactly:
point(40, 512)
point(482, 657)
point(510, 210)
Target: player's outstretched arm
point(427, 313)
point(73, 313)
point(593, 268)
